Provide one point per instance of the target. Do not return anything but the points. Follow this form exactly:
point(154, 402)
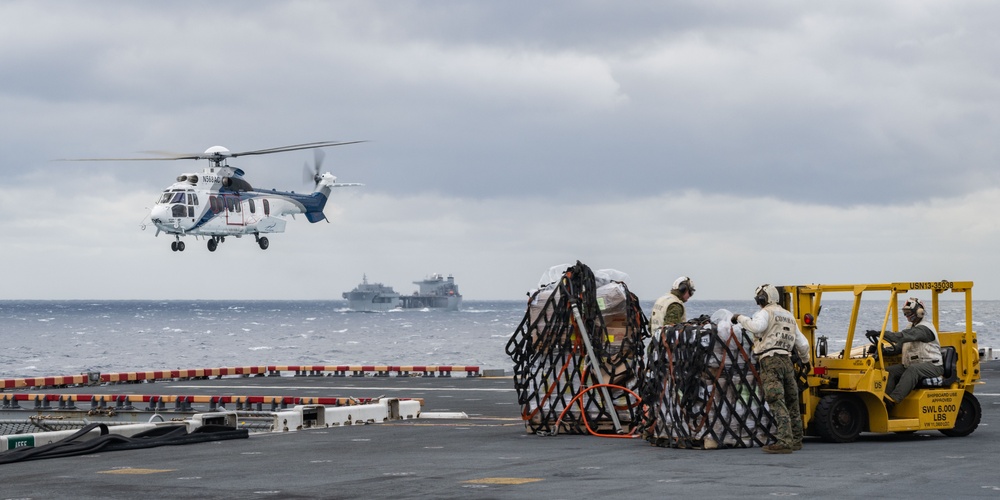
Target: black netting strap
point(557, 388)
point(701, 389)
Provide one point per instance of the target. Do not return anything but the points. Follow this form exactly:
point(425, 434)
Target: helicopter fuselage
point(218, 202)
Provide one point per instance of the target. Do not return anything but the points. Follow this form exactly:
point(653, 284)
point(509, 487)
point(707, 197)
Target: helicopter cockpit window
point(177, 198)
point(165, 198)
point(178, 211)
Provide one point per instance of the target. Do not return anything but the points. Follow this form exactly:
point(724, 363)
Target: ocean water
point(47, 338)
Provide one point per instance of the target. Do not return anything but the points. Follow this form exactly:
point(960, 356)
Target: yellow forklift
point(843, 393)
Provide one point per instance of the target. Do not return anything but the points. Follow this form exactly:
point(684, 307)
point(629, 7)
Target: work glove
point(735, 319)
point(873, 335)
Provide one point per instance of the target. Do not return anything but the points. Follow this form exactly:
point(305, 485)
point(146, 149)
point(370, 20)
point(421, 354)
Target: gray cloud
point(557, 106)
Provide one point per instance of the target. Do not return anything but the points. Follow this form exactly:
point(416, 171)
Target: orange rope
point(632, 432)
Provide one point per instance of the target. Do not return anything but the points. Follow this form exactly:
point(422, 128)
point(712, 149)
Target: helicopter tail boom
point(314, 211)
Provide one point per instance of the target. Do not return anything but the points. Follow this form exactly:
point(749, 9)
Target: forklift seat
point(949, 358)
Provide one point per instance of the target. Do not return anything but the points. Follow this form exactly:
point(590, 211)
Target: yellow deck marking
point(504, 480)
point(135, 471)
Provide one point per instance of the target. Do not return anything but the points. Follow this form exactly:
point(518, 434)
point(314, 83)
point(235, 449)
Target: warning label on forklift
point(943, 397)
point(939, 408)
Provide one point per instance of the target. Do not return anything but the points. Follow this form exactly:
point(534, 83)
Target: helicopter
point(219, 202)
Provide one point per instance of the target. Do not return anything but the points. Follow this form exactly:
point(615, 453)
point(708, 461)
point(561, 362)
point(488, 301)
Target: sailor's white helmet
point(683, 284)
point(765, 294)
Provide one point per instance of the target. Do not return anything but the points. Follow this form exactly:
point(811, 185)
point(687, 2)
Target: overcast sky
point(735, 142)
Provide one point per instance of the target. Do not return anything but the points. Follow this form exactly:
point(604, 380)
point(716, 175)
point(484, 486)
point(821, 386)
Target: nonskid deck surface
point(489, 455)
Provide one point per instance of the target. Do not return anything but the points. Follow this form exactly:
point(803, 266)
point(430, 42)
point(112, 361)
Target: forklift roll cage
point(844, 392)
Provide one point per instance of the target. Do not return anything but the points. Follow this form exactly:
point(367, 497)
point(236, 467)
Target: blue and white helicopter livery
point(219, 202)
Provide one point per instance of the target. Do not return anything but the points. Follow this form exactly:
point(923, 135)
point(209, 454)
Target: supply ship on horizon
point(436, 292)
point(372, 297)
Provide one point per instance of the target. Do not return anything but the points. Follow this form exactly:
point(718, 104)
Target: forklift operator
point(921, 352)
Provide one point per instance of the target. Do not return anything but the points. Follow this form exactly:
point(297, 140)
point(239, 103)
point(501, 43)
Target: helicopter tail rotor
point(307, 174)
point(313, 174)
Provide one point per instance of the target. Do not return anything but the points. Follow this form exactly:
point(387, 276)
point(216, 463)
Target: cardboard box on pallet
point(536, 307)
point(611, 301)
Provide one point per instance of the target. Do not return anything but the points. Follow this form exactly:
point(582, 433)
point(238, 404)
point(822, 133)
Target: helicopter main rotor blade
point(294, 147)
point(168, 154)
point(187, 157)
point(217, 155)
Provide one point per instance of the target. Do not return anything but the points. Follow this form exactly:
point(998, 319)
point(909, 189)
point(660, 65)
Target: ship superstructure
point(436, 292)
point(372, 297)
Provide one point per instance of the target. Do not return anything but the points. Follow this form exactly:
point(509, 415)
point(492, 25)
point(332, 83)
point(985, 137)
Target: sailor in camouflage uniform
point(776, 335)
point(669, 309)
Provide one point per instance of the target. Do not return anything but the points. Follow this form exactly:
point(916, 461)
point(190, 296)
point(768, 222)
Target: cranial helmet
point(766, 294)
point(913, 309)
point(683, 284)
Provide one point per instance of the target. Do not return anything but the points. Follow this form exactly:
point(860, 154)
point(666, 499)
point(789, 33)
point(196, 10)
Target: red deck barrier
point(67, 401)
point(242, 371)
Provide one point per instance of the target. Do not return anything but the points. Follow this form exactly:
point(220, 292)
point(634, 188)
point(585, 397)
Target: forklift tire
point(839, 418)
point(969, 414)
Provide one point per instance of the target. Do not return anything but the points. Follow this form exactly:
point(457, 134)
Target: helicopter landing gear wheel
point(173, 246)
point(262, 241)
point(213, 244)
point(840, 418)
point(177, 246)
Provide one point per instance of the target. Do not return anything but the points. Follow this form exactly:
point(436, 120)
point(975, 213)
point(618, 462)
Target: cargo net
point(558, 388)
point(701, 388)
